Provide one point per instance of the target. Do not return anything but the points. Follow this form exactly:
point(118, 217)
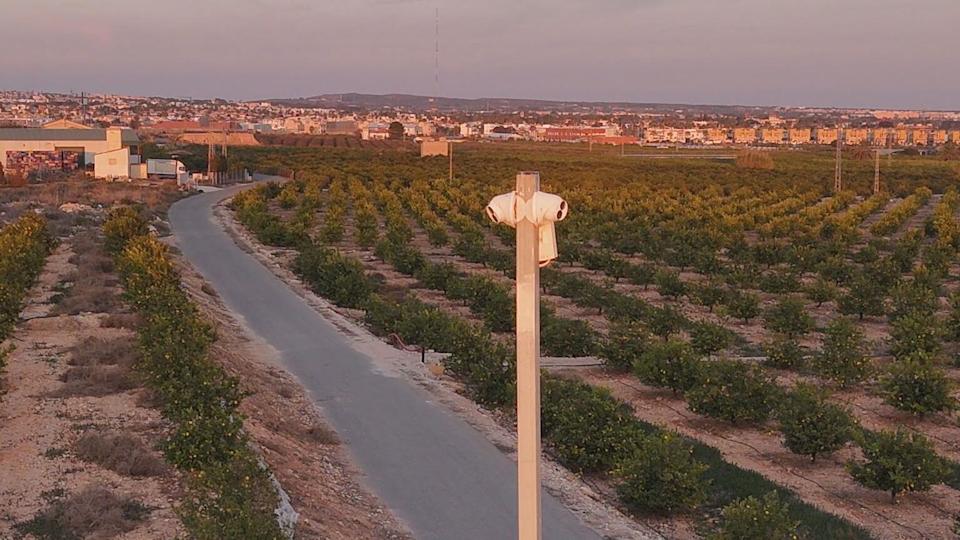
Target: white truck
point(171, 169)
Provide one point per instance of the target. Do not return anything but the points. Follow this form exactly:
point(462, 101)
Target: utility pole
point(528, 365)
point(533, 213)
point(876, 172)
point(450, 155)
point(210, 154)
point(838, 171)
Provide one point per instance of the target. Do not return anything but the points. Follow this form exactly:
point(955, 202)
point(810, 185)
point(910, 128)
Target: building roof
point(127, 136)
point(63, 123)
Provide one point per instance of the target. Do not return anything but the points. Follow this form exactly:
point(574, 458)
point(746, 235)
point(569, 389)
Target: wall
point(113, 164)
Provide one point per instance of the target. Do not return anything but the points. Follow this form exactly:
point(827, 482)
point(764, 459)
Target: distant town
point(104, 135)
point(193, 120)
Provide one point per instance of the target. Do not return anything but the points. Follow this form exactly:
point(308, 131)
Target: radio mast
point(436, 57)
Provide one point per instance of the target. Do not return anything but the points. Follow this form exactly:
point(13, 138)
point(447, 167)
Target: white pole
point(528, 365)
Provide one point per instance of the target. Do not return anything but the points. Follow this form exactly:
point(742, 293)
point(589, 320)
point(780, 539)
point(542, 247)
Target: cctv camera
point(502, 209)
point(543, 210)
point(548, 207)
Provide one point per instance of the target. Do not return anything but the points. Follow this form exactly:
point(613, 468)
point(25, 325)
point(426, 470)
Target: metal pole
point(837, 182)
point(876, 172)
point(528, 365)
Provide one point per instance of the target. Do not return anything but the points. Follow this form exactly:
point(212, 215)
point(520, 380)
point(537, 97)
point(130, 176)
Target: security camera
point(502, 209)
point(543, 210)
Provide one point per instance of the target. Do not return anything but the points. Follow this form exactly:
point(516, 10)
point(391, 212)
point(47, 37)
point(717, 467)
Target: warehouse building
point(111, 151)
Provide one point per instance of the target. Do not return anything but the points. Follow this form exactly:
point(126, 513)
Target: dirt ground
point(824, 484)
point(40, 428)
point(588, 499)
point(66, 405)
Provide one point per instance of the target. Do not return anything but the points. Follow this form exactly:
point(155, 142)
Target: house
point(27, 150)
point(471, 129)
point(375, 132)
point(63, 123)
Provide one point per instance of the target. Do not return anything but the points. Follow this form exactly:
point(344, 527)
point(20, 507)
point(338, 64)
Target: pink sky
point(877, 53)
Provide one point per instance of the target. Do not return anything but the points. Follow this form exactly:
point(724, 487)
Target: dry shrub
point(120, 452)
point(89, 294)
point(306, 429)
point(752, 159)
point(94, 285)
point(321, 434)
point(121, 351)
point(129, 321)
point(94, 513)
point(95, 381)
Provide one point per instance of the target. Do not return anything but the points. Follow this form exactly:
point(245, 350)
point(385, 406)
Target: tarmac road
point(439, 475)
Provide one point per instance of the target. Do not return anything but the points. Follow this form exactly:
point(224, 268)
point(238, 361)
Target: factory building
point(65, 147)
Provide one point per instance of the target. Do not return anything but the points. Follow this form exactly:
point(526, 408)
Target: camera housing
point(543, 210)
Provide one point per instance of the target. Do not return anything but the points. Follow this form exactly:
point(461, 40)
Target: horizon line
point(491, 98)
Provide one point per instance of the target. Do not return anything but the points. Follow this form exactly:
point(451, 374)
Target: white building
point(112, 151)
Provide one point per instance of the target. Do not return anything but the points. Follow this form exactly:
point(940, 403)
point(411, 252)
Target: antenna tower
point(436, 55)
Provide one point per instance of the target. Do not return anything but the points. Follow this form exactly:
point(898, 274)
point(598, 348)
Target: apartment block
point(663, 135)
point(826, 135)
point(938, 136)
point(715, 136)
point(901, 136)
point(855, 135)
point(771, 136)
point(879, 136)
point(744, 135)
point(798, 135)
point(919, 137)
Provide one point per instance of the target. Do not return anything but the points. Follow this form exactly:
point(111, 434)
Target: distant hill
point(423, 103)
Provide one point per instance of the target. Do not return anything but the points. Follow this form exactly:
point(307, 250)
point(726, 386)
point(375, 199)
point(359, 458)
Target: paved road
point(438, 474)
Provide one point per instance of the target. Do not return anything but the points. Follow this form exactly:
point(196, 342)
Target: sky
point(847, 53)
